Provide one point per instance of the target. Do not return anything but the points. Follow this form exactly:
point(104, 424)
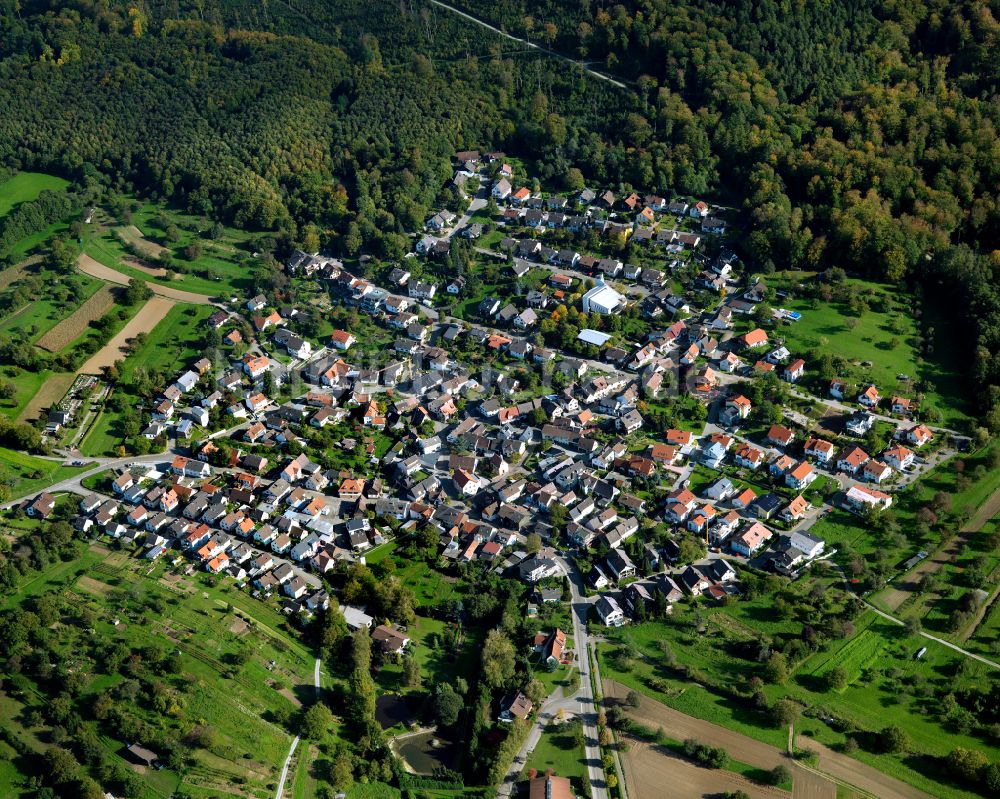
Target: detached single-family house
point(869, 397)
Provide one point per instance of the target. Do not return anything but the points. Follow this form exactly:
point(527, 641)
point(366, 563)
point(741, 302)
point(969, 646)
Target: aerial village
point(632, 447)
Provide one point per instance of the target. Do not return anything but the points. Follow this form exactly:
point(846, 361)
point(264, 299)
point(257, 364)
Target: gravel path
point(96, 269)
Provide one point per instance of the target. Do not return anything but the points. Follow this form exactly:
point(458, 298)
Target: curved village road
point(96, 269)
point(534, 46)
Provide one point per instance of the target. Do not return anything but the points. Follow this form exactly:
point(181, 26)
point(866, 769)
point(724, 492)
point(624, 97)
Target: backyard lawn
point(560, 748)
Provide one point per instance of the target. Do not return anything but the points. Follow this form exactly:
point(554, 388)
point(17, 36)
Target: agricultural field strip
point(75, 325)
point(147, 318)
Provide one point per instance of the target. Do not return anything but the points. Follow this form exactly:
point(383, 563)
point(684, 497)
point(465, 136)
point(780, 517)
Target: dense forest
point(852, 134)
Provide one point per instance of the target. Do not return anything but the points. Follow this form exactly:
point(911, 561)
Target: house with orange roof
point(255, 432)
point(663, 453)
point(794, 370)
point(753, 340)
point(497, 342)
point(898, 457)
point(744, 499)
point(861, 498)
point(699, 520)
point(748, 456)
point(852, 460)
point(918, 435)
point(218, 563)
point(749, 541)
point(876, 472)
point(679, 505)
point(335, 374)
point(801, 476)
point(351, 489)
point(342, 340)
point(255, 366)
point(678, 438)
point(730, 363)
point(262, 323)
point(508, 414)
point(316, 507)
point(246, 481)
point(467, 483)
point(521, 195)
point(780, 436)
point(168, 501)
point(257, 402)
point(705, 380)
point(795, 509)
point(690, 355)
point(869, 397)
point(781, 465)
point(901, 405)
point(738, 407)
point(820, 449)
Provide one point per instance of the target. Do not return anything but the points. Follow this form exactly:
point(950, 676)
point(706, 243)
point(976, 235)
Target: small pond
point(425, 752)
point(391, 709)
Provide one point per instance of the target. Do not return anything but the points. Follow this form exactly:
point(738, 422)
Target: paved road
point(478, 201)
point(580, 704)
point(582, 65)
point(580, 610)
point(284, 769)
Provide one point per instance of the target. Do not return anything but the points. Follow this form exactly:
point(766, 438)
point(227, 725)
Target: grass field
point(217, 269)
point(887, 688)
point(41, 314)
point(171, 343)
point(26, 186)
point(52, 389)
point(26, 385)
point(26, 474)
point(887, 336)
point(72, 327)
point(560, 749)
